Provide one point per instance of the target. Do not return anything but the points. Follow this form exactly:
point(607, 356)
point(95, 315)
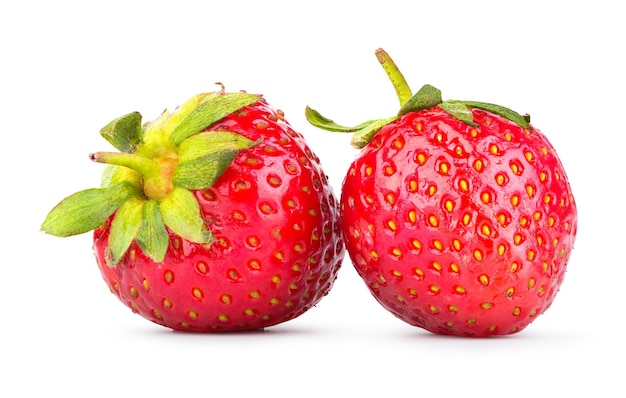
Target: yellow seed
point(197, 293)
point(449, 205)
point(419, 273)
point(485, 197)
point(435, 289)
point(392, 225)
point(467, 218)
point(531, 283)
point(509, 292)
point(501, 249)
point(436, 265)
point(530, 255)
point(416, 244)
point(396, 252)
point(515, 200)
point(514, 267)
point(484, 279)
point(226, 299)
point(530, 190)
point(454, 268)
point(192, 314)
point(374, 255)
point(433, 221)
point(412, 216)
point(134, 292)
point(456, 244)
point(529, 156)
point(432, 190)
point(486, 305)
point(413, 186)
point(460, 290)
point(437, 245)
point(464, 185)
point(500, 179)
point(396, 273)
point(146, 285)
point(444, 168)
point(167, 303)
point(517, 311)
point(478, 255)
point(485, 230)
point(421, 158)
point(453, 308)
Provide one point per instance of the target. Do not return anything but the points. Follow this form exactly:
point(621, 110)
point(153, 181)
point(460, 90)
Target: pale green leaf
point(124, 133)
point(203, 172)
point(86, 210)
point(181, 213)
point(124, 228)
point(203, 110)
point(152, 237)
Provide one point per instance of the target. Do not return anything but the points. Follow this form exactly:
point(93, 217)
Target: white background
point(67, 68)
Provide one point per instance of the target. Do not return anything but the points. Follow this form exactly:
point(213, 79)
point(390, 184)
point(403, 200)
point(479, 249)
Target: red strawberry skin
point(458, 229)
point(278, 245)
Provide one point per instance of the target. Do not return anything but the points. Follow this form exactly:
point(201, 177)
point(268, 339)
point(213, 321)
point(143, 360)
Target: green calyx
point(149, 183)
point(425, 98)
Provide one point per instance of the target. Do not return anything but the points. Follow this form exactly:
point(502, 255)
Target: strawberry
point(216, 217)
point(458, 215)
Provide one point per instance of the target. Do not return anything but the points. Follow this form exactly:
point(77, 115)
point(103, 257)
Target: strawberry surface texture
point(458, 215)
point(216, 217)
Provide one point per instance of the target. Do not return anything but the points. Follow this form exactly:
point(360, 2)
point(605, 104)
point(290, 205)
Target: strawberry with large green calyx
point(458, 215)
point(217, 216)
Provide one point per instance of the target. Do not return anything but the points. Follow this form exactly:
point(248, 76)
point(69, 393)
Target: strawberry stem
point(403, 91)
point(157, 174)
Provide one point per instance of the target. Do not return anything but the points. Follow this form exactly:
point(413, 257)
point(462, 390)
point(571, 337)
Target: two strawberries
point(457, 215)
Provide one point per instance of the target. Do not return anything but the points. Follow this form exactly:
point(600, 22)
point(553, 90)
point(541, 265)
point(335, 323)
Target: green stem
point(141, 165)
point(157, 174)
point(403, 91)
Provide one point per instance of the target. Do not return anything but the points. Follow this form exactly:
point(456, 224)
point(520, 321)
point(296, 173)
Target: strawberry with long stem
point(458, 215)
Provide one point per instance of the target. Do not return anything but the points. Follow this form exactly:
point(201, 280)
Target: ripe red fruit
point(458, 215)
point(217, 217)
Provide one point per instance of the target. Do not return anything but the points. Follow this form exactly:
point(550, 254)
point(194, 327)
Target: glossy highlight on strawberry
point(222, 218)
point(458, 215)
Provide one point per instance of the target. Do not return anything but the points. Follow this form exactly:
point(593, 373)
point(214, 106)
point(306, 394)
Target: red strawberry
point(217, 217)
point(458, 215)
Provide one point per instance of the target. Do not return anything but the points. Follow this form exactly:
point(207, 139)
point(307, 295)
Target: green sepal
point(363, 136)
point(425, 98)
point(522, 121)
point(203, 172)
point(124, 228)
point(204, 157)
point(203, 110)
point(113, 175)
point(86, 210)
point(124, 133)
point(317, 120)
point(152, 237)
point(181, 213)
point(458, 110)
